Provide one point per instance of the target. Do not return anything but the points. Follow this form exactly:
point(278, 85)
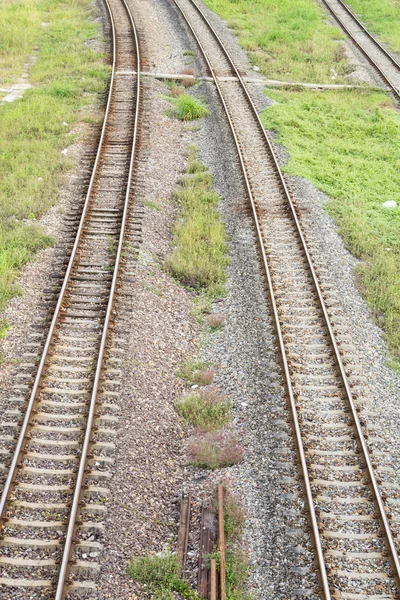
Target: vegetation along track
point(384, 63)
point(355, 549)
point(50, 508)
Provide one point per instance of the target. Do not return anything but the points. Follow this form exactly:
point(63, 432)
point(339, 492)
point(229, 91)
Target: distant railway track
point(355, 551)
point(383, 62)
point(50, 514)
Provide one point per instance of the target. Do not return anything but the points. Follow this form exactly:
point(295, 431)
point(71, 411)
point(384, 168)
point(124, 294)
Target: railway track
point(387, 67)
point(355, 550)
point(55, 475)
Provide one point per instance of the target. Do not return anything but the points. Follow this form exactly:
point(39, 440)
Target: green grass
point(18, 243)
point(289, 41)
point(348, 145)
point(382, 17)
point(199, 258)
point(188, 108)
point(236, 565)
point(19, 30)
point(66, 76)
point(160, 573)
point(206, 409)
point(152, 205)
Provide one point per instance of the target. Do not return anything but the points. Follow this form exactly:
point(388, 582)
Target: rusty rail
point(325, 586)
point(30, 411)
point(382, 74)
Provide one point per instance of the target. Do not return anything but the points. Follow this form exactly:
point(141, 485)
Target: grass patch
point(199, 258)
point(188, 108)
point(348, 145)
point(214, 450)
point(152, 205)
point(196, 372)
point(161, 573)
point(18, 243)
point(206, 409)
point(382, 17)
point(290, 41)
point(66, 76)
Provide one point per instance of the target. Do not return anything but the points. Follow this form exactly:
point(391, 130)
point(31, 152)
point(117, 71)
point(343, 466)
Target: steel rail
point(36, 386)
point(306, 478)
point(368, 33)
point(394, 89)
point(360, 435)
point(65, 563)
point(15, 462)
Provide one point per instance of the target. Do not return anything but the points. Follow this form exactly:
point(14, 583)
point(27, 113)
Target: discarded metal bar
point(183, 532)
point(203, 580)
point(213, 568)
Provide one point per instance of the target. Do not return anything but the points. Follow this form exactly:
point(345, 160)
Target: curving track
point(50, 509)
point(384, 63)
point(355, 550)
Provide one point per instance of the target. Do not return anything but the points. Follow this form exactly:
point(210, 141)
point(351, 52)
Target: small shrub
point(189, 53)
point(215, 321)
point(204, 377)
point(206, 409)
point(187, 71)
point(188, 108)
point(160, 572)
point(215, 451)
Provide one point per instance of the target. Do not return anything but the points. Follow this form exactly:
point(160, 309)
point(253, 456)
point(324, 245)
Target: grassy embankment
point(346, 142)
point(382, 17)
point(34, 130)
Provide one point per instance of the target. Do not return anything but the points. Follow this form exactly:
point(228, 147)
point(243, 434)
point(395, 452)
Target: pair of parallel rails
point(63, 413)
point(60, 462)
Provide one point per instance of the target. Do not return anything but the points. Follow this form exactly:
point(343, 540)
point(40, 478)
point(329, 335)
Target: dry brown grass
point(215, 450)
point(215, 321)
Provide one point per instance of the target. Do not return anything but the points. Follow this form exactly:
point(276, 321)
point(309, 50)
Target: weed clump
point(196, 372)
point(206, 409)
point(188, 108)
point(161, 573)
point(214, 451)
